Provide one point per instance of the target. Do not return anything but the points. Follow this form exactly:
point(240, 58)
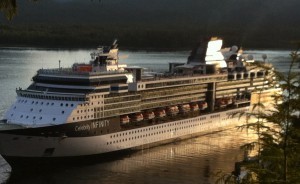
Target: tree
point(276, 160)
point(277, 148)
point(9, 8)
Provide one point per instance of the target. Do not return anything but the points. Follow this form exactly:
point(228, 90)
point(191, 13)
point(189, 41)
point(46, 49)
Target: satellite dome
point(264, 56)
point(234, 48)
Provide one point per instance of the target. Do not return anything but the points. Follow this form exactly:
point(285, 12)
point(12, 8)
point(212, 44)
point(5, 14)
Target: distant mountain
point(196, 12)
point(259, 19)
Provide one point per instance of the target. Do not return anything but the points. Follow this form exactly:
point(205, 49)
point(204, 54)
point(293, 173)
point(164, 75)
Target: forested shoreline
point(152, 24)
point(133, 37)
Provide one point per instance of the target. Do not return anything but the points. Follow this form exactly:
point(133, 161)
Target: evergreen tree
point(277, 158)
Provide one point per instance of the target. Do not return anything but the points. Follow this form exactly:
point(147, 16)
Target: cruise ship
point(104, 106)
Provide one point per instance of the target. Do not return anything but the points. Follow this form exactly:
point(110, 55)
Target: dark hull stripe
point(79, 129)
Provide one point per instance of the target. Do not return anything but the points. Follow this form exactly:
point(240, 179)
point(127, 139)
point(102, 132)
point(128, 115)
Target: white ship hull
point(14, 146)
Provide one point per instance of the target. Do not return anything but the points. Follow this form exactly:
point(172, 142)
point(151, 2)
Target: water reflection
point(190, 161)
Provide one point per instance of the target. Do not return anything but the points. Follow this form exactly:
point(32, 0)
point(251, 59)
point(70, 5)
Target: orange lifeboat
point(184, 108)
point(137, 117)
point(229, 101)
point(172, 110)
point(194, 107)
point(203, 105)
point(160, 113)
point(149, 115)
point(221, 103)
point(124, 119)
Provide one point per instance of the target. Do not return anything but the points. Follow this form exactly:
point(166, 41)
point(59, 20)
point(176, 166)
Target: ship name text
point(93, 125)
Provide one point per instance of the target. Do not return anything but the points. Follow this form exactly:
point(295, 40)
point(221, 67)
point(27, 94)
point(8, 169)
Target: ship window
point(41, 117)
point(72, 105)
point(26, 117)
point(42, 103)
point(21, 116)
point(32, 102)
point(62, 112)
point(73, 119)
point(31, 109)
point(54, 119)
point(61, 104)
point(40, 110)
point(52, 103)
point(67, 105)
point(36, 102)
point(47, 103)
point(33, 117)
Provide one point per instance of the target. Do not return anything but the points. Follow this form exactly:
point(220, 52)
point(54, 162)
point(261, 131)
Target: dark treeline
point(152, 24)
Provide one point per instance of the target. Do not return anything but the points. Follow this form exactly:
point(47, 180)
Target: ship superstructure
point(104, 106)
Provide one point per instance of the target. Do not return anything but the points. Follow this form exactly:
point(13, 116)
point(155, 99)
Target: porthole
point(27, 117)
point(33, 117)
point(32, 102)
point(54, 119)
point(41, 118)
point(40, 110)
point(47, 103)
point(62, 112)
point(61, 104)
point(31, 109)
point(67, 105)
point(21, 116)
point(72, 105)
point(36, 103)
point(52, 103)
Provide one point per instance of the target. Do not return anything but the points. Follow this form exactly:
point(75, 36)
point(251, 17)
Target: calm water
point(191, 161)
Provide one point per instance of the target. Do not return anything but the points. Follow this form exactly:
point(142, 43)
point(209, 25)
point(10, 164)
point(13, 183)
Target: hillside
point(155, 23)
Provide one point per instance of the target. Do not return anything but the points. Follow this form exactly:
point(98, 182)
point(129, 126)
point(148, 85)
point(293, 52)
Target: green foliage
point(277, 147)
point(9, 8)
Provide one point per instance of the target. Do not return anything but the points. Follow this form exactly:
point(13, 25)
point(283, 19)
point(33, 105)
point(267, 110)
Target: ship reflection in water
point(196, 160)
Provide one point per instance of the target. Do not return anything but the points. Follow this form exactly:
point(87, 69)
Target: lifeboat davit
point(160, 113)
point(149, 115)
point(202, 105)
point(221, 103)
point(184, 108)
point(229, 101)
point(172, 110)
point(124, 119)
point(194, 107)
point(137, 117)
